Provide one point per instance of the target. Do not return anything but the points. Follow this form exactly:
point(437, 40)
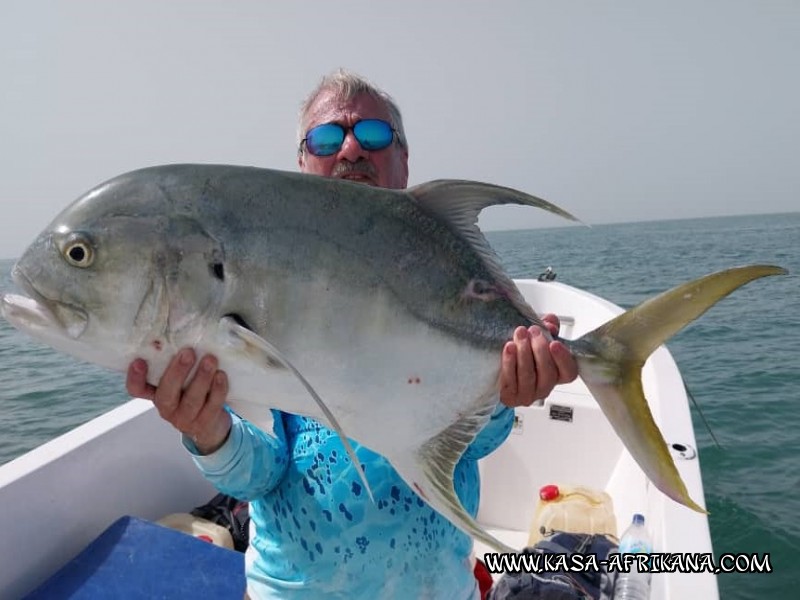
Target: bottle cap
point(638, 519)
point(549, 492)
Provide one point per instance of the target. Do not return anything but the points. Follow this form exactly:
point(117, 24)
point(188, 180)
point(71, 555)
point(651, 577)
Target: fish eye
point(78, 252)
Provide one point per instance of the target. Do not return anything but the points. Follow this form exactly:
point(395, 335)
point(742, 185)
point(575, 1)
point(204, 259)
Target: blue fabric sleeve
point(492, 435)
point(250, 463)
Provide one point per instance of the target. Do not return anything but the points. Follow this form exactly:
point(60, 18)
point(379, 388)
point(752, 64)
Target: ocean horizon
point(560, 224)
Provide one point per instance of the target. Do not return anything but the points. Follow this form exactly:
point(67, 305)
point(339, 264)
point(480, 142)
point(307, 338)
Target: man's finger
point(526, 369)
point(136, 381)
point(215, 401)
point(564, 361)
point(212, 426)
point(508, 375)
point(546, 372)
point(195, 395)
point(170, 386)
point(552, 322)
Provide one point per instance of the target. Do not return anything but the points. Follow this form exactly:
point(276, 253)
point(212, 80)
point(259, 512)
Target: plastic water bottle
point(634, 585)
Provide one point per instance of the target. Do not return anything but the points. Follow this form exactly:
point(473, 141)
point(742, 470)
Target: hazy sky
point(616, 111)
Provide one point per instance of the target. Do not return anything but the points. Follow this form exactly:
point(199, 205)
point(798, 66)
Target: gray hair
point(345, 86)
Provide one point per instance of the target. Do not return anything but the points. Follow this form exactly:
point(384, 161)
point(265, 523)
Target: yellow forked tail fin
point(611, 357)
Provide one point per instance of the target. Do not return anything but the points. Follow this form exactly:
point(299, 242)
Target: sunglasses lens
point(327, 139)
point(324, 140)
point(373, 134)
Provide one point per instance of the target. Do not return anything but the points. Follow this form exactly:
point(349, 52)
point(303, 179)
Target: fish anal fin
point(430, 473)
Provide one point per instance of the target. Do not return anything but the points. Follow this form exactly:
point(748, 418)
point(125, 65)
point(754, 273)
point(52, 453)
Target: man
point(316, 533)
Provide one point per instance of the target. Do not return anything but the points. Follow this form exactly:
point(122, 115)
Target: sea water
point(741, 361)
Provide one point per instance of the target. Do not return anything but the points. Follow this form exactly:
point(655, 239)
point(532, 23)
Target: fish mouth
point(38, 312)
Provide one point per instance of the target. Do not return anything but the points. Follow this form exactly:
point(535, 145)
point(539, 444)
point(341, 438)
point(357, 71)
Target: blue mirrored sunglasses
point(327, 139)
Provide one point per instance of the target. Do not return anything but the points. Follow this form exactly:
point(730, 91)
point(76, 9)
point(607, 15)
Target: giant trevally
point(381, 313)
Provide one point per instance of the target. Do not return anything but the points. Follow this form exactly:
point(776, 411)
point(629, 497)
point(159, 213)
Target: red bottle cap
point(549, 492)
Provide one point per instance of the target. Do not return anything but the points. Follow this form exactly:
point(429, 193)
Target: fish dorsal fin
point(269, 354)
point(459, 202)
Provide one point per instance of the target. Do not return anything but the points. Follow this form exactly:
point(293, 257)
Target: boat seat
point(136, 559)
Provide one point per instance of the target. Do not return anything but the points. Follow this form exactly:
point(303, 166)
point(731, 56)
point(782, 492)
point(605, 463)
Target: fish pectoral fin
point(250, 345)
point(610, 361)
point(258, 348)
point(430, 473)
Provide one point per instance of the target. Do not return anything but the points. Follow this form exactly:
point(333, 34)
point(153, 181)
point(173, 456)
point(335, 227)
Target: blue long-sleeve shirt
point(316, 534)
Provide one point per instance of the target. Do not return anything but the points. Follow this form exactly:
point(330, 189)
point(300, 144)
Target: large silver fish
point(381, 313)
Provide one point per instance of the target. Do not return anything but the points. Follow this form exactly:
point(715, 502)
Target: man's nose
point(351, 150)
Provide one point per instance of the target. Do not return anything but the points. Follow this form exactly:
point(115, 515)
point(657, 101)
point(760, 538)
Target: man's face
point(384, 168)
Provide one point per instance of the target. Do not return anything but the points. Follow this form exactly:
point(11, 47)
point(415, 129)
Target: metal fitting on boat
point(683, 451)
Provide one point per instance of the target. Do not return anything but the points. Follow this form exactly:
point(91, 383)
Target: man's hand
point(531, 366)
point(196, 410)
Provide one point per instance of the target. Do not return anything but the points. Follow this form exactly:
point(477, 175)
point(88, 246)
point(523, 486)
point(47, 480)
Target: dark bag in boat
point(564, 584)
point(230, 513)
